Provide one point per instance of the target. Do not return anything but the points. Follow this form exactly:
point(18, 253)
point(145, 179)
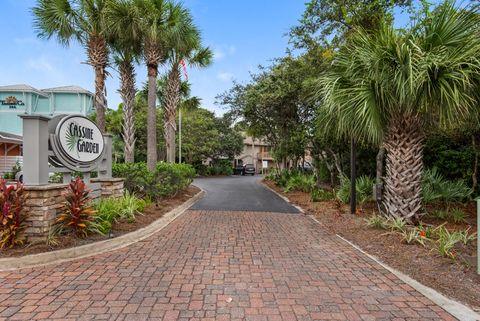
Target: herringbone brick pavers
point(219, 266)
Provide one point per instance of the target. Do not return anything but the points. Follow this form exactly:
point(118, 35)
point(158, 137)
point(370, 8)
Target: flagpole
point(182, 62)
point(180, 135)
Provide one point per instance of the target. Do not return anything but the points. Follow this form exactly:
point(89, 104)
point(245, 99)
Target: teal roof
point(68, 89)
point(22, 88)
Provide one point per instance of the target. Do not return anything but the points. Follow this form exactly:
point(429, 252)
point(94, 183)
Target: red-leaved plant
point(12, 200)
point(77, 214)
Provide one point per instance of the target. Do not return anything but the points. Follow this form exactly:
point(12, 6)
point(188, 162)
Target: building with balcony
point(23, 99)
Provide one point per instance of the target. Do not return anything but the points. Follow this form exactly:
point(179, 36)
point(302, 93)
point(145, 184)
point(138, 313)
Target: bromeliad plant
point(12, 200)
point(77, 214)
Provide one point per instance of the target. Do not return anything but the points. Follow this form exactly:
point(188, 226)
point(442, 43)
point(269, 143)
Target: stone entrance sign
point(63, 144)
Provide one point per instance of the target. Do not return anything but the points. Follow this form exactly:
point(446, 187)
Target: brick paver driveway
point(216, 265)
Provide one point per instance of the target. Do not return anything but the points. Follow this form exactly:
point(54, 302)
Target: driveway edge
point(281, 196)
point(65, 255)
point(455, 308)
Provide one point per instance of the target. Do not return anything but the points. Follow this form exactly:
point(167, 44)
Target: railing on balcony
point(264, 156)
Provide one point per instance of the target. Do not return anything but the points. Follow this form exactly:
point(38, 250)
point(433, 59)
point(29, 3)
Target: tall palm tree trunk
point(153, 57)
point(404, 143)
point(97, 52)
point(127, 91)
point(170, 124)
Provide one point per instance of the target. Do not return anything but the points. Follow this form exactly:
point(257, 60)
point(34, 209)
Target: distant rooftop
point(10, 138)
point(27, 88)
point(68, 89)
point(22, 88)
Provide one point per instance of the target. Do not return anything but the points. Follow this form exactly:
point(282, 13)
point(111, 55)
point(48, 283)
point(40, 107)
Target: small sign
point(264, 164)
point(12, 102)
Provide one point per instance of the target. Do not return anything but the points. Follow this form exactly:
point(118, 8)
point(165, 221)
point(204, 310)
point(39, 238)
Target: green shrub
point(165, 181)
point(300, 182)
point(363, 187)
point(222, 167)
point(466, 237)
point(412, 236)
point(458, 215)
point(377, 221)
point(320, 195)
point(436, 188)
point(440, 214)
point(396, 224)
point(110, 210)
point(446, 242)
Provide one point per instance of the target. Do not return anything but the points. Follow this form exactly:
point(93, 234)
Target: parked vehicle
point(238, 170)
point(248, 169)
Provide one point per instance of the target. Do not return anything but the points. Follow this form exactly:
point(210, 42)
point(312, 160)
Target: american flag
point(184, 68)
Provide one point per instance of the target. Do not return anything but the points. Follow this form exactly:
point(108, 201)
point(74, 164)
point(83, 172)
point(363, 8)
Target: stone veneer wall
point(42, 205)
point(45, 202)
point(111, 187)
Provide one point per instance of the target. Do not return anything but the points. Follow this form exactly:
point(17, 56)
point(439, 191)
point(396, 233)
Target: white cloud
point(40, 64)
point(218, 54)
point(221, 51)
point(225, 76)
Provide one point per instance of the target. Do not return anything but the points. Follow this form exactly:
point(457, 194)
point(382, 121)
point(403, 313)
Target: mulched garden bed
point(456, 279)
point(151, 213)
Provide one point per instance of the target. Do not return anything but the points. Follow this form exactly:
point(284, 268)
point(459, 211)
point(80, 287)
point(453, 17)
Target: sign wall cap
point(35, 116)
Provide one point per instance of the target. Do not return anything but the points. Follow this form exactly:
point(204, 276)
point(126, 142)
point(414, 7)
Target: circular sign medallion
point(80, 140)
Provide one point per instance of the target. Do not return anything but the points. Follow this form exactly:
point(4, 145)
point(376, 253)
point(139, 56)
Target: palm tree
point(184, 47)
point(387, 86)
point(159, 23)
point(125, 22)
point(81, 20)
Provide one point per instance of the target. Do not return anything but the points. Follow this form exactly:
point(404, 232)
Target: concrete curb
point(457, 309)
point(60, 256)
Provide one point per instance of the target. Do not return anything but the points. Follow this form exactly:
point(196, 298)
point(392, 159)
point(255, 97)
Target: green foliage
point(413, 236)
point(12, 200)
point(166, 181)
point(110, 210)
point(437, 188)
point(396, 224)
point(77, 213)
point(458, 215)
point(377, 221)
point(446, 242)
point(300, 182)
point(329, 22)
point(440, 214)
point(221, 167)
point(466, 237)
point(364, 188)
point(452, 153)
point(13, 173)
point(321, 195)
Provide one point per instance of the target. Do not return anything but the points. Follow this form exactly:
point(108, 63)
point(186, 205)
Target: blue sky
point(241, 33)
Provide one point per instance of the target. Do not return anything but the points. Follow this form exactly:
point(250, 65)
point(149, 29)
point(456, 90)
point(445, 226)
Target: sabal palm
point(386, 86)
point(81, 20)
point(159, 19)
point(123, 19)
point(185, 46)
